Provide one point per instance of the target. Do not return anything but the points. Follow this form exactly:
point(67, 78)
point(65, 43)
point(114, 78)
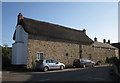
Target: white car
point(91, 61)
point(48, 64)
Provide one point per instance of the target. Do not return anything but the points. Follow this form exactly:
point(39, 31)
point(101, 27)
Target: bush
point(6, 57)
point(113, 60)
point(99, 63)
point(117, 63)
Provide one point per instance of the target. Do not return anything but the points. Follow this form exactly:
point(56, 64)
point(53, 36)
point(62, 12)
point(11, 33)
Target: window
point(66, 54)
point(48, 61)
point(53, 61)
point(40, 55)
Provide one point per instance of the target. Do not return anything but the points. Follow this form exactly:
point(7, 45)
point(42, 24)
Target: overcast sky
point(100, 19)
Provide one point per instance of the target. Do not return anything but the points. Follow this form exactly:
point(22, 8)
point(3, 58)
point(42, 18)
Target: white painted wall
point(19, 48)
point(119, 21)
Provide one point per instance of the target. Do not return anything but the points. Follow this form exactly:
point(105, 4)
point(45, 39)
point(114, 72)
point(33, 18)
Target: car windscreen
point(84, 60)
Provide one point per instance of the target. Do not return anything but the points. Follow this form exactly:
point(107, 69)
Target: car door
point(55, 64)
point(50, 64)
point(88, 62)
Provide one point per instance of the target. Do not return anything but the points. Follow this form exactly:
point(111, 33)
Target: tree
point(6, 56)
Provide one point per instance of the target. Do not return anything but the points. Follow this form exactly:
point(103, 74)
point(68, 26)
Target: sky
point(100, 19)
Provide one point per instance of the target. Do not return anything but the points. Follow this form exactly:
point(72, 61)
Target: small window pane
point(39, 56)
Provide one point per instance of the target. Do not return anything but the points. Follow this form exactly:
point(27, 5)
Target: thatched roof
point(41, 28)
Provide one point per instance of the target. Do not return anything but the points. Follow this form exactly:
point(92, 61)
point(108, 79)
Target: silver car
point(48, 64)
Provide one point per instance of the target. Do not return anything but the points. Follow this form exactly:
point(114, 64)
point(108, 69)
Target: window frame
point(38, 57)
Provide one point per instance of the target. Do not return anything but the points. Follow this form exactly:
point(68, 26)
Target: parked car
point(83, 63)
point(48, 64)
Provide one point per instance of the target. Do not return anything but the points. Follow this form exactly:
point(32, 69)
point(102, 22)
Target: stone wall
point(56, 49)
point(97, 54)
point(64, 51)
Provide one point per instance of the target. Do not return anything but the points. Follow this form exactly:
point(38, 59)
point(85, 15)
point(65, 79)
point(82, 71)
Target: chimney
point(84, 31)
point(95, 39)
point(104, 40)
point(19, 17)
point(108, 41)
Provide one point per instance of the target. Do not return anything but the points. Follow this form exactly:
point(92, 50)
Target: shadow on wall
point(43, 38)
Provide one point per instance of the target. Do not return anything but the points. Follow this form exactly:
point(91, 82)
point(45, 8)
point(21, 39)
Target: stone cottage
point(99, 51)
point(36, 40)
point(42, 40)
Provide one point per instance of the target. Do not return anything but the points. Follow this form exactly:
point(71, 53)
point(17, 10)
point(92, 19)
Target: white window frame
point(38, 57)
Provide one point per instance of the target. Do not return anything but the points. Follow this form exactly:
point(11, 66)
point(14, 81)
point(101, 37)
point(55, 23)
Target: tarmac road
point(102, 73)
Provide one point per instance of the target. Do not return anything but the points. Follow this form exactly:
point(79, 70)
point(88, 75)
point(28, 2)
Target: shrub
point(113, 60)
point(6, 57)
point(100, 62)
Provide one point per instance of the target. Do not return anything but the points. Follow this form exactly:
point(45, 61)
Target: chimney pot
point(95, 39)
point(84, 31)
point(19, 17)
point(108, 41)
point(104, 40)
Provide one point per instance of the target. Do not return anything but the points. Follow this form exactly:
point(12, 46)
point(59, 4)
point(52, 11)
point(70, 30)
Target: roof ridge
point(54, 24)
point(100, 44)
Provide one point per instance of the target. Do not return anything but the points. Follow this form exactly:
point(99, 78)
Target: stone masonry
point(64, 52)
point(97, 54)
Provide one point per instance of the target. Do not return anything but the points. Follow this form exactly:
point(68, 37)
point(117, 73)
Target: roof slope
point(103, 45)
point(117, 45)
point(40, 28)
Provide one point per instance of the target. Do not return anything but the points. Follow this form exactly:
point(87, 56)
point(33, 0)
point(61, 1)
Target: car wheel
point(84, 66)
point(61, 67)
point(45, 69)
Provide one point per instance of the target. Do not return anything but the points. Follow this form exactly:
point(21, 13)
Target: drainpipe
point(80, 51)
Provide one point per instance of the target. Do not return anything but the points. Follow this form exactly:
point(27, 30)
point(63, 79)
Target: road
point(101, 73)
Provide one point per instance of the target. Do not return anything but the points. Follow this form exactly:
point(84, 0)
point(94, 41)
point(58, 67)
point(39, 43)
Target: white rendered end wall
point(19, 48)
